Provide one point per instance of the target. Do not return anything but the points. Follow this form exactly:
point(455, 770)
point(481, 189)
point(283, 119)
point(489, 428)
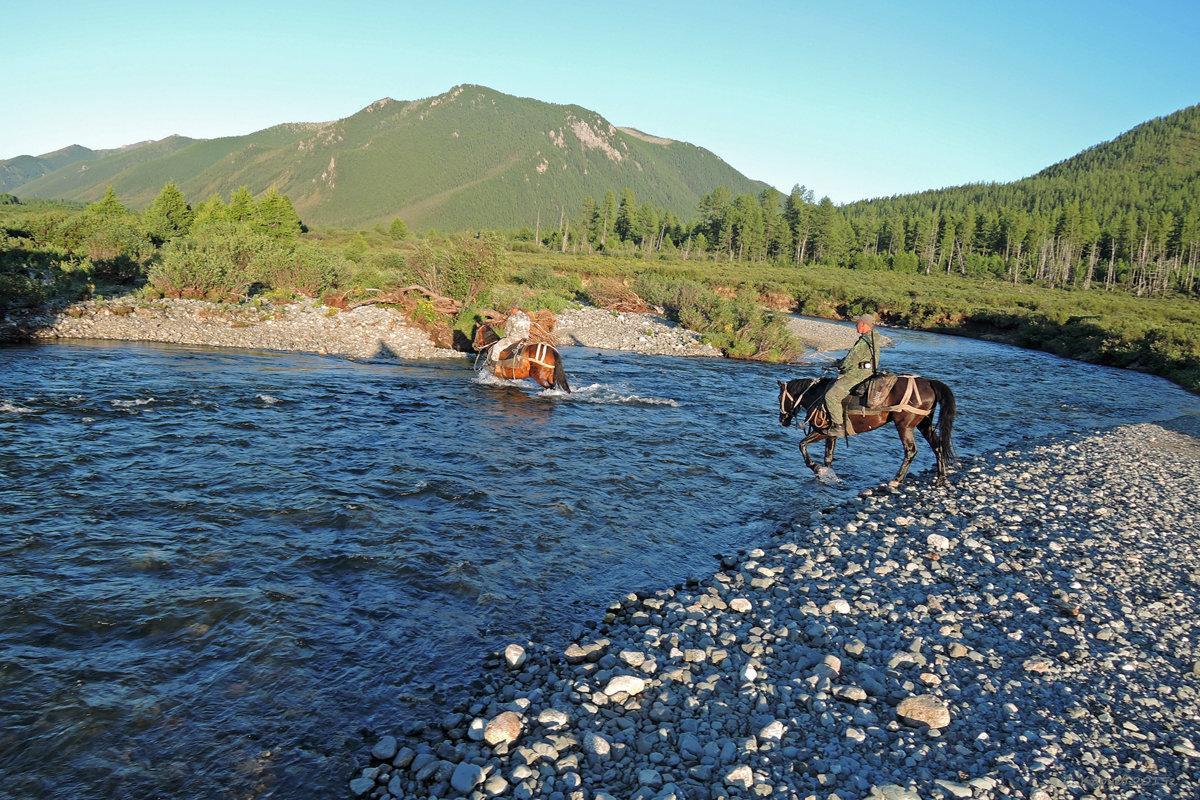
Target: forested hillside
point(1124, 214)
point(468, 159)
point(1121, 212)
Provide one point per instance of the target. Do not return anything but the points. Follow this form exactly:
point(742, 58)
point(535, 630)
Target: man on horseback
point(860, 363)
point(516, 330)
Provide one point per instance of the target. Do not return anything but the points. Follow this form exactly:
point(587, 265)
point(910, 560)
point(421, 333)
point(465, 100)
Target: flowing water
point(225, 573)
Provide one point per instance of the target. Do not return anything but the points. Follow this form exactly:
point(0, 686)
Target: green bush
point(219, 257)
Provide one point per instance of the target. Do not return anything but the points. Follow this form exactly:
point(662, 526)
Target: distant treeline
point(1122, 214)
point(1145, 252)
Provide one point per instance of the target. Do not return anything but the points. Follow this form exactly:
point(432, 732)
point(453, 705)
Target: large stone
point(504, 728)
point(466, 777)
point(629, 684)
point(741, 775)
point(596, 744)
point(384, 749)
point(514, 656)
point(924, 709)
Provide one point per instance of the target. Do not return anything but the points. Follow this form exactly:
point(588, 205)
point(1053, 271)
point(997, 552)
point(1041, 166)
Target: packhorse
point(537, 361)
point(908, 401)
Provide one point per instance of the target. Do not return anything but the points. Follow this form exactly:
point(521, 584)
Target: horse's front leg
point(808, 462)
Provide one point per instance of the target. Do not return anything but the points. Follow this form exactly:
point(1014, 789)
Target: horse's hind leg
point(935, 444)
point(910, 452)
point(830, 444)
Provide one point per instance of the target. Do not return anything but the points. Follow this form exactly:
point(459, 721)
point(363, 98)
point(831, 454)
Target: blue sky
point(851, 99)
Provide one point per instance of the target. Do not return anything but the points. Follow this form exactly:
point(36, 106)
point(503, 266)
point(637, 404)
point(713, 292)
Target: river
point(227, 572)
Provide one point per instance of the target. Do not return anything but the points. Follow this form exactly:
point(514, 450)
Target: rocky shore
point(363, 332)
point(1029, 631)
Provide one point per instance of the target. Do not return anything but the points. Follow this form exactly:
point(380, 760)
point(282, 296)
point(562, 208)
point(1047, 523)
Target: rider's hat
point(867, 318)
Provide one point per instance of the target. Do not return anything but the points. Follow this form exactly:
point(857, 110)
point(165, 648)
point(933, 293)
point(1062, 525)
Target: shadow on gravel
point(1189, 425)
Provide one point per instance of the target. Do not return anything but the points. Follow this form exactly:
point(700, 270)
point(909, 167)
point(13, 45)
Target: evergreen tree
point(606, 218)
point(587, 219)
point(107, 207)
point(399, 231)
point(168, 216)
point(626, 223)
point(797, 213)
point(275, 216)
point(241, 206)
point(645, 227)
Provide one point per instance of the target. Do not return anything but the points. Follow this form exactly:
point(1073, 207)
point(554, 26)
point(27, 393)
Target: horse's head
point(485, 337)
point(790, 398)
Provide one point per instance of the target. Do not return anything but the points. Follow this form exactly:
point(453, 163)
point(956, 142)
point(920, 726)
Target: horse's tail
point(560, 376)
point(945, 422)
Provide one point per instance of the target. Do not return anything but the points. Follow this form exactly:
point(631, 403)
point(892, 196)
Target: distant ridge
point(469, 158)
point(1153, 168)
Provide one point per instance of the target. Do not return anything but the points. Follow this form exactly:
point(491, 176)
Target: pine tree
point(606, 218)
point(275, 216)
point(625, 224)
point(107, 207)
point(168, 216)
point(211, 210)
point(241, 205)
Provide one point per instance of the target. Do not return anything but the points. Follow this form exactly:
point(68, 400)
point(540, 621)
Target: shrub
point(216, 258)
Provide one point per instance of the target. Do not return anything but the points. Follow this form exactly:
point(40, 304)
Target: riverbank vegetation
point(715, 274)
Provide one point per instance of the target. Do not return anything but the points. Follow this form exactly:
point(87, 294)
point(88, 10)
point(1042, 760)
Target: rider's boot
point(837, 431)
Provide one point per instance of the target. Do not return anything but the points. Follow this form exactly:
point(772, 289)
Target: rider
point(516, 330)
point(859, 364)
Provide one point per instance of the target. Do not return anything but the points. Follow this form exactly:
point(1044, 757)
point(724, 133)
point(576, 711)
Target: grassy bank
point(1160, 336)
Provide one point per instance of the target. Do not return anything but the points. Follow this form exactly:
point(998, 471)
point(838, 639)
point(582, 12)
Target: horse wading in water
point(537, 361)
point(908, 401)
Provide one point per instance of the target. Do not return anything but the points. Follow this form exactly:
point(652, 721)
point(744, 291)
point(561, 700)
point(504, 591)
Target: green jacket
point(864, 352)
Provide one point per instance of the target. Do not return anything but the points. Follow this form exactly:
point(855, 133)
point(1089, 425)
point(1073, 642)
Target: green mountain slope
point(16, 172)
point(470, 158)
point(1153, 169)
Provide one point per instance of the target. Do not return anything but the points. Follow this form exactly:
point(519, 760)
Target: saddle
point(512, 358)
point(871, 397)
point(525, 351)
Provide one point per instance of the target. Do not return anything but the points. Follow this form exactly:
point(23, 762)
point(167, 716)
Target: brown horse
point(540, 361)
point(909, 404)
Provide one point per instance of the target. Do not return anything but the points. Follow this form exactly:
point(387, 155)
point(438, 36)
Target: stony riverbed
point(1028, 631)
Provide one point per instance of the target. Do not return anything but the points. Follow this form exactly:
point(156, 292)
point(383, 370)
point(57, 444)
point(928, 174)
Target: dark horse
point(909, 404)
point(541, 362)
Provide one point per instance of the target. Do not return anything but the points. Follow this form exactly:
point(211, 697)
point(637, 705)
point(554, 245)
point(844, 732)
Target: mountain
point(16, 172)
point(1152, 169)
point(470, 158)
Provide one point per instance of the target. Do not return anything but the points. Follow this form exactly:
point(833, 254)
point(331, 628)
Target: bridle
point(790, 403)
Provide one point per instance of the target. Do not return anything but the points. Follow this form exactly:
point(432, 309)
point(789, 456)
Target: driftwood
point(441, 303)
point(541, 331)
point(614, 295)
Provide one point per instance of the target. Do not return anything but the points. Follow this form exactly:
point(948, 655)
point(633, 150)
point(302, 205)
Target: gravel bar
point(364, 332)
point(1028, 631)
